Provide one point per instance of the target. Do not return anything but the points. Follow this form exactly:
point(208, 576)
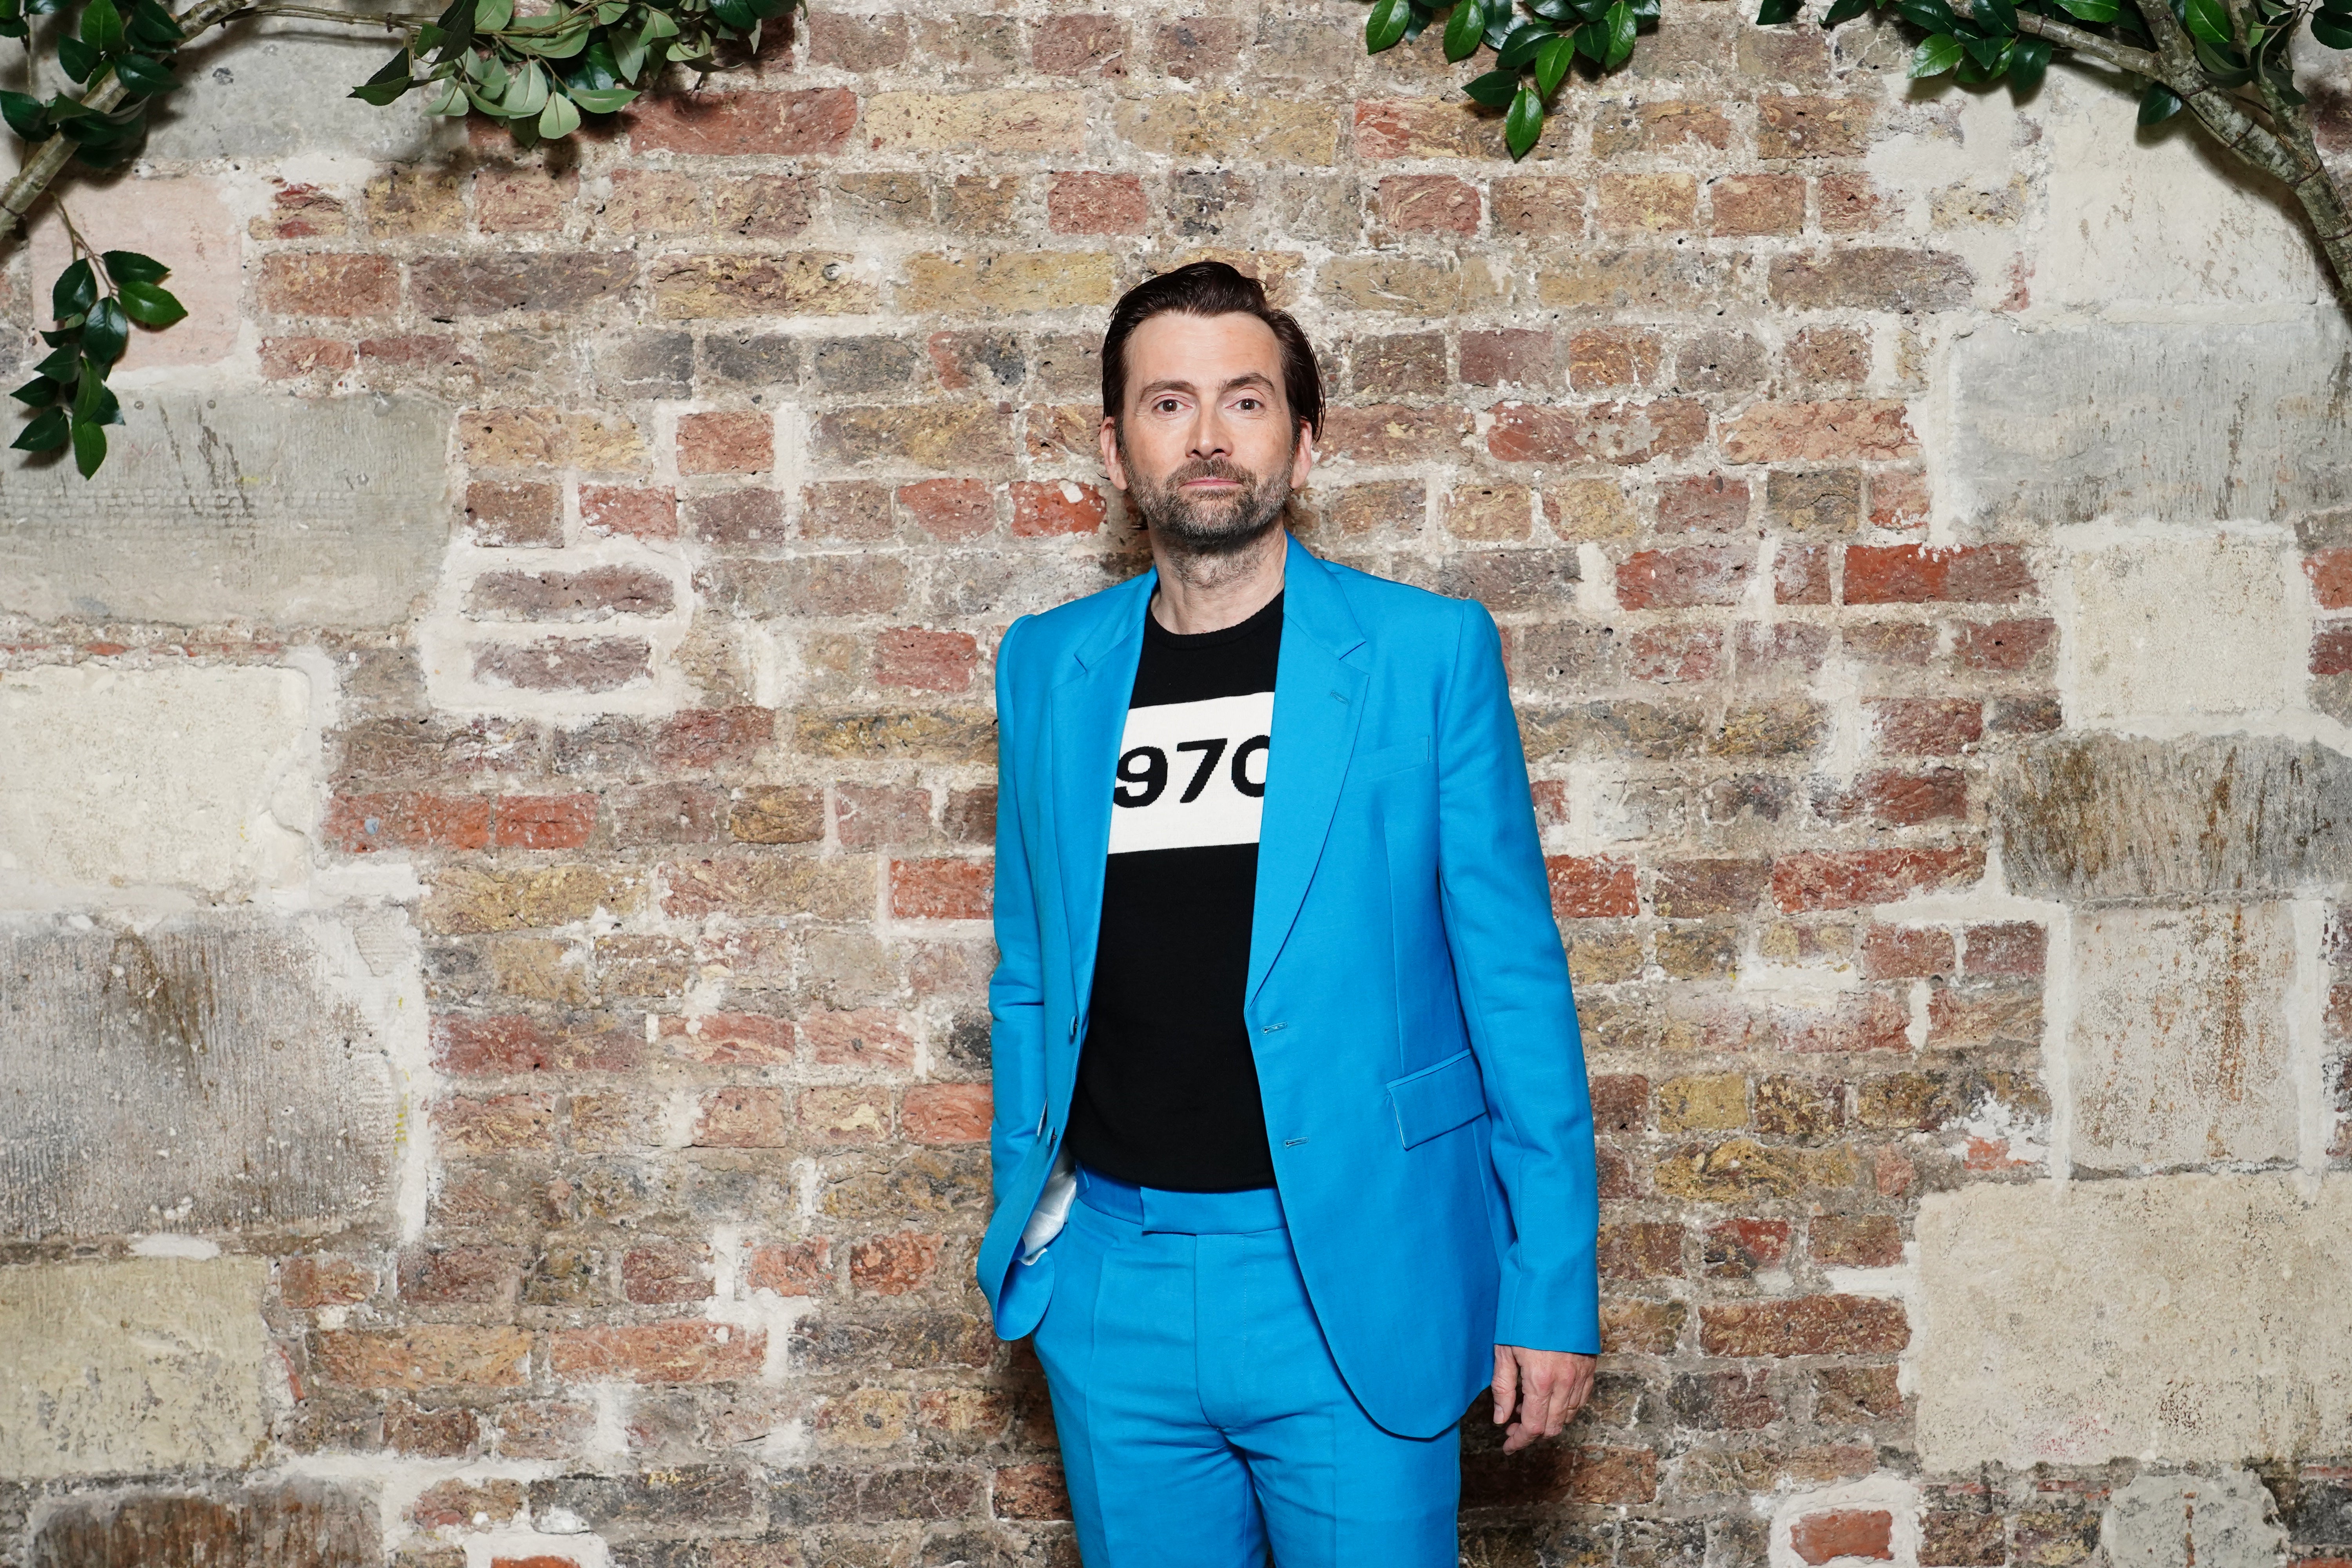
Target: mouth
point(1209, 484)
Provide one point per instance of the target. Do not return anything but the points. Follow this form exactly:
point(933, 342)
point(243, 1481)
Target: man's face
point(1207, 451)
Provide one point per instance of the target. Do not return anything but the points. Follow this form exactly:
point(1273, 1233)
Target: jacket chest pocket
point(1384, 759)
point(1438, 1099)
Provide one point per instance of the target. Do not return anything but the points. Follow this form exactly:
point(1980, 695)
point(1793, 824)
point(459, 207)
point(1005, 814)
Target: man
point(1293, 1150)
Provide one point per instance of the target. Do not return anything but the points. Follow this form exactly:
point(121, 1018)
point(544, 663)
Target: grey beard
point(1211, 526)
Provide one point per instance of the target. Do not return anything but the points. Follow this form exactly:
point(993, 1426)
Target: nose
point(1210, 436)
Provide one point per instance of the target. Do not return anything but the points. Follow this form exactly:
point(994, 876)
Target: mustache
point(1210, 468)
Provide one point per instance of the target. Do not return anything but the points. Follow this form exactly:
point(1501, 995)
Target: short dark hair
point(1212, 288)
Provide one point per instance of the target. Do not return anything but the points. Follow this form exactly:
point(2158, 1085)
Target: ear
point(1107, 438)
point(1302, 456)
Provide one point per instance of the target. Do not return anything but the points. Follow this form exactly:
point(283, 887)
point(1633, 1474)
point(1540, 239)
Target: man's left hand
point(1545, 1388)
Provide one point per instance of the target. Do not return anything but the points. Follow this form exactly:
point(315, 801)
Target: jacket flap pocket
point(1391, 759)
point(1438, 1099)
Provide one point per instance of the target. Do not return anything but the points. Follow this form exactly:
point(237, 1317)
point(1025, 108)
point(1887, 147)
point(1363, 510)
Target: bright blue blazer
point(1408, 996)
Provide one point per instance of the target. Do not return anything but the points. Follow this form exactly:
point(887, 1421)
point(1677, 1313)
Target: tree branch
point(2123, 57)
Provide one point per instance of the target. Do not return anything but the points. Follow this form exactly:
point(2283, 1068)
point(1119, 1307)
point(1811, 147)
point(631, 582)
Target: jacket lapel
point(1318, 707)
point(1090, 715)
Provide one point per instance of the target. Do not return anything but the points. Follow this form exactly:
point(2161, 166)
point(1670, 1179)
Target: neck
point(1209, 593)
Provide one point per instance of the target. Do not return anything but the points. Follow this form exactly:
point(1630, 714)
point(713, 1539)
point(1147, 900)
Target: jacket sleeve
point(1513, 976)
point(1016, 997)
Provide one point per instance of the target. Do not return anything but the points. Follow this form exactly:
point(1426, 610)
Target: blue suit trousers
point(1201, 1414)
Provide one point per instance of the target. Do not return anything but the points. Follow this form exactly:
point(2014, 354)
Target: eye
point(1165, 405)
point(1252, 405)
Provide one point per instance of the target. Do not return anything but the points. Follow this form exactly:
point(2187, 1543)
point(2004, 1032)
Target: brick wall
point(498, 794)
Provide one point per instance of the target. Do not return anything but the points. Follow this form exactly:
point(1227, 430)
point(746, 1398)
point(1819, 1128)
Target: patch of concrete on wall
point(131, 1366)
point(200, 779)
point(2161, 222)
point(2184, 1319)
point(235, 507)
point(282, 88)
point(203, 1074)
point(2092, 818)
point(2180, 1052)
point(2163, 628)
point(2181, 422)
point(302, 1523)
point(2222, 1520)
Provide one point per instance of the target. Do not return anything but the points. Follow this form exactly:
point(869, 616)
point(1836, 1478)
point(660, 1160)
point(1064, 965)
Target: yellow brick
point(549, 438)
point(464, 900)
point(1703, 1103)
point(1582, 510)
point(1006, 120)
point(1234, 126)
point(809, 283)
point(1011, 284)
point(1409, 286)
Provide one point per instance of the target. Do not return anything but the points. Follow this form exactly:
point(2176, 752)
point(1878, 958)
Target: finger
point(1506, 1384)
point(1561, 1406)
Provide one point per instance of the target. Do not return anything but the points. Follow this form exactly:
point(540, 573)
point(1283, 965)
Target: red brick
point(1604, 432)
point(1919, 573)
point(925, 661)
point(563, 664)
point(328, 285)
point(1849, 879)
point(1925, 726)
point(1737, 1248)
point(1096, 203)
point(1056, 507)
point(803, 1269)
point(1081, 46)
point(1844, 1532)
point(1516, 356)
point(2331, 652)
point(875, 1039)
point(950, 508)
point(726, 443)
point(742, 1117)
point(724, 124)
point(1845, 429)
point(545, 821)
point(1790, 127)
point(1757, 204)
point(692, 1352)
point(1674, 653)
point(2001, 647)
point(865, 816)
point(1904, 953)
point(730, 1039)
point(505, 1044)
point(1641, 1250)
point(1426, 204)
point(359, 825)
point(467, 1124)
point(2331, 577)
point(2012, 948)
point(946, 1113)
point(1801, 573)
point(290, 358)
point(894, 1264)
point(1804, 1325)
point(1677, 579)
point(624, 510)
point(665, 1273)
point(940, 890)
point(1031, 1491)
point(423, 1355)
point(304, 1283)
point(1584, 888)
point(1709, 503)
point(1855, 1241)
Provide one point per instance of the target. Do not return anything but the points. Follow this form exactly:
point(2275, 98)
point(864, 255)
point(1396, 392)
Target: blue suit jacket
point(1408, 998)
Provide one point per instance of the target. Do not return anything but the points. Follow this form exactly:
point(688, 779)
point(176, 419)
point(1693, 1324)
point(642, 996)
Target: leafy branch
point(539, 75)
point(1532, 56)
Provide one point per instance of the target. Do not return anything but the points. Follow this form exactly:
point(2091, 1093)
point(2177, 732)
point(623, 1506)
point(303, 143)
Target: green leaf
point(594, 67)
point(602, 101)
point(150, 304)
point(143, 76)
point(735, 14)
point(1936, 56)
point(2336, 34)
point(1843, 11)
point(102, 27)
point(456, 28)
point(1523, 126)
point(60, 366)
point(629, 55)
point(1776, 11)
point(88, 389)
point(104, 408)
point(490, 16)
point(106, 334)
point(1520, 47)
point(1552, 63)
point(2210, 20)
point(39, 392)
point(1466, 29)
point(2093, 11)
point(46, 432)
point(1928, 15)
point(74, 292)
point(526, 93)
point(130, 267)
point(1996, 15)
point(89, 447)
point(1990, 54)
point(2028, 63)
point(387, 84)
point(662, 25)
point(1620, 25)
point(1495, 89)
point(2157, 104)
point(560, 117)
point(77, 58)
point(153, 27)
point(2226, 66)
point(25, 116)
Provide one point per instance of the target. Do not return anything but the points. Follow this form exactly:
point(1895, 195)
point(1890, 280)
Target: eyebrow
point(1170, 384)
